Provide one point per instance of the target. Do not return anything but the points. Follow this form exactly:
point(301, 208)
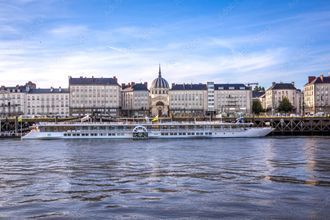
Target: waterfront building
point(231, 99)
point(188, 99)
point(276, 93)
point(159, 99)
point(262, 99)
point(47, 102)
point(299, 102)
point(13, 99)
point(97, 96)
point(210, 98)
point(135, 99)
point(316, 95)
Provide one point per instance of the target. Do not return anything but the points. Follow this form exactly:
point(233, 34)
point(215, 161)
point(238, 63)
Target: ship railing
point(141, 123)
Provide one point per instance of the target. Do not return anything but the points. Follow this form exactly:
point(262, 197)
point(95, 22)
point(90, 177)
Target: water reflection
point(234, 178)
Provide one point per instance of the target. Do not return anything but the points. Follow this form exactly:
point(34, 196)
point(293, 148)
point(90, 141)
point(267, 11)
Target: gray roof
point(137, 87)
point(257, 94)
point(199, 86)
point(236, 86)
point(283, 86)
point(140, 87)
point(14, 88)
point(19, 88)
point(48, 90)
point(321, 79)
point(159, 82)
point(93, 81)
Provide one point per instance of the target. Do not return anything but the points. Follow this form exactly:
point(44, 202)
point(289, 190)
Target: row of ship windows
point(187, 133)
point(92, 134)
point(122, 134)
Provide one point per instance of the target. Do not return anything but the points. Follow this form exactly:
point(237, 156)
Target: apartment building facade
point(188, 99)
point(316, 95)
point(276, 93)
point(13, 99)
point(96, 96)
point(232, 98)
point(135, 99)
point(47, 102)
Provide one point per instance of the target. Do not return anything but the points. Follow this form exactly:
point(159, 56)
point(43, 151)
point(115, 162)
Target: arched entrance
point(160, 108)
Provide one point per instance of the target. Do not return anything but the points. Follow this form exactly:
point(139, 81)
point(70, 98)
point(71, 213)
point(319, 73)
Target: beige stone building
point(13, 99)
point(262, 99)
point(159, 99)
point(278, 91)
point(47, 102)
point(135, 99)
point(188, 99)
point(232, 98)
point(98, 96)
point(316, 95)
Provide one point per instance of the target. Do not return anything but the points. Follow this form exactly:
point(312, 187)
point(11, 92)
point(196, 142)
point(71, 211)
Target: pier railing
point(12, 127)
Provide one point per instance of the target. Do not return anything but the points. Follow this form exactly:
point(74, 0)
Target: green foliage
point(257, 107)
point(285, 105)
point(259, 89)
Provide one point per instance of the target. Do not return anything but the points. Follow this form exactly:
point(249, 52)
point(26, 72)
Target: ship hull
point(250, 132)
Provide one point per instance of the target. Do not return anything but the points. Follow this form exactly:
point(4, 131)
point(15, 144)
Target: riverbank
point(283, 126)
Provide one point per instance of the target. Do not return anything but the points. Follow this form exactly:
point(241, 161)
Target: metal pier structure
point(290, 126)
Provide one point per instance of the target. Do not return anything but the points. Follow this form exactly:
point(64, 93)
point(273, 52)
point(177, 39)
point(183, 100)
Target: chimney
point(273, 83)
point(321, 77)
point(311, 78)
point(146, 84)
point(292, 83)
point(115, 78)
point(132, 83)
point(123, 85)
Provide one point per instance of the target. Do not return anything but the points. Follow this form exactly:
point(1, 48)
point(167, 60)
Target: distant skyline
point(237, 41)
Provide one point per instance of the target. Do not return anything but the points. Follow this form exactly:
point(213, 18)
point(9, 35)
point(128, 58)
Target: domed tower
point(159, 96)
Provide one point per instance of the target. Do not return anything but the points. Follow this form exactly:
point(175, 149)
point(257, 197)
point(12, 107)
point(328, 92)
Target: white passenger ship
point(145, 130)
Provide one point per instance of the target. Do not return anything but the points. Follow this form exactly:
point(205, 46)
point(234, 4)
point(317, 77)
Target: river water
point(201, 178)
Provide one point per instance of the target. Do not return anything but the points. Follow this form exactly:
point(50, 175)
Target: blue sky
point(194, 41)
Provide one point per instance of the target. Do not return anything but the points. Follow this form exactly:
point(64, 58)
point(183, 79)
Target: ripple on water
point(234, 178)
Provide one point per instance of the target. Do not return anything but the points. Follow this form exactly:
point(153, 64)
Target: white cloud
point(129, 65)
point(68, 30)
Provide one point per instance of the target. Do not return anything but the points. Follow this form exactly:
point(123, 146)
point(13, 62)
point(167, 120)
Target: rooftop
point(19, 88)
point(318, 80)
point(284, 86)
point(257, 94)
point(199, 86)
point(93, 81)
point(135, 87)
point(48, 90)
point(237, 86)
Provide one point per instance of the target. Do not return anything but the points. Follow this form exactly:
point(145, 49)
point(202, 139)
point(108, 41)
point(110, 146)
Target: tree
point(259, 89)
point(285, 105)
point(257, 107)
